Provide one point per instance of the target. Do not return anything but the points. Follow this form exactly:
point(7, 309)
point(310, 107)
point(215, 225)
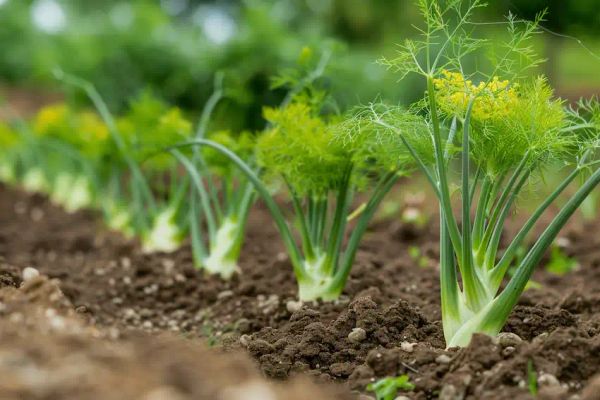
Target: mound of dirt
point(48, 351)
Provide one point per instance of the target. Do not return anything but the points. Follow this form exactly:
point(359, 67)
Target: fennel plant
point(130, 203)
point(220, 195)
point(322, 174)
point(220, 198)
point(490, 133)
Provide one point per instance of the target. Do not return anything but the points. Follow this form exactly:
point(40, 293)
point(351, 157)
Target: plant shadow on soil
point(387, 322)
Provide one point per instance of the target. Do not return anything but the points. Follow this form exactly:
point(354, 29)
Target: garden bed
point(387, 322)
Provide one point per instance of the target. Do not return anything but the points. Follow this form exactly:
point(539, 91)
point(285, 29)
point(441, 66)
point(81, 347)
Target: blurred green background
point(174, 48)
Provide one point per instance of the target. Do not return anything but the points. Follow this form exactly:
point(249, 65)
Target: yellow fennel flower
point(493, 99)
point(50, 118)
point(93, 127)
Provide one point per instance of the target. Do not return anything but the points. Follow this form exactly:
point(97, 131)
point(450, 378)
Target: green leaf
point(532, 379)
point(560, 263)
point(387, 388)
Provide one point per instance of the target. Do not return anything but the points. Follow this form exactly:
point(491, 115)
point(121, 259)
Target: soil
point(154, 316)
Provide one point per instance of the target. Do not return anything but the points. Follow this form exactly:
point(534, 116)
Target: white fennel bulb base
point(220, 260)
point(164, 236)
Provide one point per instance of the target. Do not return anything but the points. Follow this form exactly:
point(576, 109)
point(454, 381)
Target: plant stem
point(473, 287)
point(441, 170)
point(498, 272)
point(505, 302)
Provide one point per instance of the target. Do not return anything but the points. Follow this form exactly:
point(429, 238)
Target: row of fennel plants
point(148, 174)
point(478, 137)
point(83, 159)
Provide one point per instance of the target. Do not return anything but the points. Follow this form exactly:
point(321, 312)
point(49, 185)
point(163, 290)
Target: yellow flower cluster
point(50, 118)
point(92, 126)
point(493, 99)
point(84, 130)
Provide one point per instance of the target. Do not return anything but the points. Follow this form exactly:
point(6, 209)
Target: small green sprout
point(387, 388)
point(560, 263)
point(532, 383)
point(501, 129)
point(415, 253)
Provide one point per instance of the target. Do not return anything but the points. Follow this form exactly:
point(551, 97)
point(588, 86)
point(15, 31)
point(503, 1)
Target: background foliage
point(174, 47)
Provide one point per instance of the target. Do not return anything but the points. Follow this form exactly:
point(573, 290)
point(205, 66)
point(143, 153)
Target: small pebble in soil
point(147, 325)
point(411, 214)
point(407, 347)
point(244, 340)
point(546, 379)
point(357, 335)
point(225, 294)
point(57, 323)
point(249, 391)
point(442, 359)
point(129, 314)
point(563, 242)
point(401, 398)
point(365, 397)
point(36, 214)
point(30, 273)
point(114, 333)
point(126, 262)
point(450, 392)
point(153, 288)
point(20, 208)
point(268, 304)
point(508, 350)
point(164, 393)
point(169, 265)
point(506, 339)
point(292, 306)
point(539, 338)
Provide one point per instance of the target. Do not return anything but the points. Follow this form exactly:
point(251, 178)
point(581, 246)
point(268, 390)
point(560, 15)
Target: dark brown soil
point(389, 298)
point(48, 352)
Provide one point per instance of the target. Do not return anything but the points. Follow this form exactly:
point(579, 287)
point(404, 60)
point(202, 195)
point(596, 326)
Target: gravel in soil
point(386, 323)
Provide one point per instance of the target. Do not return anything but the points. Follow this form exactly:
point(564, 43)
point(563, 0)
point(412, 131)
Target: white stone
point(442, 359)
point(357, 335)
point(30, 273)
point(506, 339)
point(548, 380)
point(407, 347)
point(253, 390)
point(292, 306)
